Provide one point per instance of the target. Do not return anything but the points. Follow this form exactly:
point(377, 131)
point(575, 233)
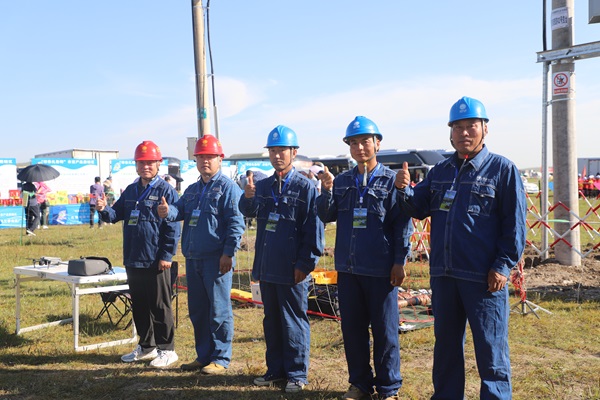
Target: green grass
point(556, 356)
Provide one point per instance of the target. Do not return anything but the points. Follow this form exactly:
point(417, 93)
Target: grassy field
point(556, 356)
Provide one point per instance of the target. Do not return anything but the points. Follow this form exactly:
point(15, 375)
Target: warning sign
point(560, 83)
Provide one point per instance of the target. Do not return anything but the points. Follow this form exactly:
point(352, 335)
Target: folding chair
point(119, 303)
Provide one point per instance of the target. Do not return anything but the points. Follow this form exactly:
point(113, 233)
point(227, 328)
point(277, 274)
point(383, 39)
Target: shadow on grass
point(11, 339)
point(91, 329)
point(102, 378)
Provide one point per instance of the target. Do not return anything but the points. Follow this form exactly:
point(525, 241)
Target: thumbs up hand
point(326, 180)
point(163, 208)
point(402, 177)
point(250, 188)
point(101, 203)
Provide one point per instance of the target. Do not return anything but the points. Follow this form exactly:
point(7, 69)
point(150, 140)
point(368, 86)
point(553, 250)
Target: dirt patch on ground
point(549, 279)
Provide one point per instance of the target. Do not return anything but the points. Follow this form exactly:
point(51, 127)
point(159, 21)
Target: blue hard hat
point(282, 136)
point(467, 107)
point(362, 126)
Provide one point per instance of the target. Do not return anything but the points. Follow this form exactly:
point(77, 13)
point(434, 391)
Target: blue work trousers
point(287, 329)
point(455, 302)
point(364, 301)
point(209, 305)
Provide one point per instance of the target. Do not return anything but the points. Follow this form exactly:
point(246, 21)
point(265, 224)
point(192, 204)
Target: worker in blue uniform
point(289, 242)
point(371, 246)
point(212, 229)
point(149, 244)
point(477, 206)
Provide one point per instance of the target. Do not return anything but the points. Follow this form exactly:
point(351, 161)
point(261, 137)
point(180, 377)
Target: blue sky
point(107, 75)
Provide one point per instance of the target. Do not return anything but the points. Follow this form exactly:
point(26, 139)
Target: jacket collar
point(475, 162)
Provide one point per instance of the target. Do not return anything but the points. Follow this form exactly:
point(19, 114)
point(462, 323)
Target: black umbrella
point(37, 173)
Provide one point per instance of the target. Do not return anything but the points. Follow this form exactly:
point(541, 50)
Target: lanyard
point(287, 178)
point(201, 200)
point(145, 192)
point(456, 172)
point(362, 193)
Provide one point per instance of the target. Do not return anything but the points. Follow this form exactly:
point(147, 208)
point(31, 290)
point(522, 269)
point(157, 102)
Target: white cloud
point(410, 114)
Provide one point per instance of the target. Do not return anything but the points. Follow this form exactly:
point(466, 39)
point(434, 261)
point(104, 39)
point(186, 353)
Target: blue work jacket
point(152, 239)
point(297, 242)
point(485, 225)
point(220, 225)
point(385, 241)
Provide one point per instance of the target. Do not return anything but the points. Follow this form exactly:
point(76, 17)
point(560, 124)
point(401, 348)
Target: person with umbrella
point(28, 175)
point(32, 207)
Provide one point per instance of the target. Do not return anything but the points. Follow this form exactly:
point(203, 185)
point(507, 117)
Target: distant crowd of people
point(589, 186)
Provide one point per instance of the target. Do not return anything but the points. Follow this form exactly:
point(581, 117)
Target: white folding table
point(80, 285)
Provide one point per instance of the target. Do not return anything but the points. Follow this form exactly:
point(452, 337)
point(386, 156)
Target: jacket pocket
point(344, 199)
point(212, 203)
point(437, 195)
point(482, 200)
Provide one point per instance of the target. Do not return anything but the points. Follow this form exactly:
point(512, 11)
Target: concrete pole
point(200, 64)
point(544, 199)
point(564, 150)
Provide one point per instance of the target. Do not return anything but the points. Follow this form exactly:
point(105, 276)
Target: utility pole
point(200, 65)
point(564, 150)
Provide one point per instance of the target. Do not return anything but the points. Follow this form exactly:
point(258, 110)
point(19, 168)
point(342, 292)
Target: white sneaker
point(29, 233)
point(139, 354)
point(164, 359)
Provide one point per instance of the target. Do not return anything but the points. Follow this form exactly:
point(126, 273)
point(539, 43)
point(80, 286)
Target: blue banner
point(67, 214)
point(12, 217)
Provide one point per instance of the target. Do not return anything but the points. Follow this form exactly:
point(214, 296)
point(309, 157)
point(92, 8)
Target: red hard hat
point(208, 144)
point(147, 151)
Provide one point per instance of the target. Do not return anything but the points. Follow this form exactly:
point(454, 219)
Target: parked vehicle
point(419, 161)
point(530, 187)
point(336, 165)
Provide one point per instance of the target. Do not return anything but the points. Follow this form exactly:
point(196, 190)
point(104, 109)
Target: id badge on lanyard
point(134, 217)
point(360, 218)
point(195, 217)
point(135, 213)
point(272, 222)
point(448, 200)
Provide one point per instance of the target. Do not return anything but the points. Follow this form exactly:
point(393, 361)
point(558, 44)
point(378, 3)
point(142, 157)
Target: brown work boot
point(355, 393)
point(213, 369)
point(192, 366)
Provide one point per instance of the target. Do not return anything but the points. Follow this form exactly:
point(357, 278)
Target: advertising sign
point(76, 174)
point(8, 176)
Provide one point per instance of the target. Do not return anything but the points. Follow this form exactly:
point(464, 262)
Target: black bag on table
point(88, 266)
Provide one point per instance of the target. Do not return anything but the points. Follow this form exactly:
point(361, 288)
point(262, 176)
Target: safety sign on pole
point(560, 83)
